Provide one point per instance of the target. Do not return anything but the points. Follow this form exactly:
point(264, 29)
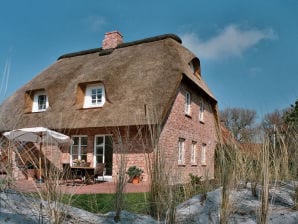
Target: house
point(108, 100)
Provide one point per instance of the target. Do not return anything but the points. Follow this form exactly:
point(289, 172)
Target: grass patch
point(134, 202)
point(103, 203)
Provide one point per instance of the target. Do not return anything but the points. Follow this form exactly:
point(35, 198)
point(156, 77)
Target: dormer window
point(40, 101)
point(195, 68)
point(94, 96)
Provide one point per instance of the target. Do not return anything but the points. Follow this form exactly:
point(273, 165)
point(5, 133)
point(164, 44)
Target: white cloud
point(94, 23)
point(232, 41)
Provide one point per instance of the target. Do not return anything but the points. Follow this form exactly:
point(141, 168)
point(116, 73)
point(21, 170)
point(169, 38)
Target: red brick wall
point(111, 40)
point(179, 125)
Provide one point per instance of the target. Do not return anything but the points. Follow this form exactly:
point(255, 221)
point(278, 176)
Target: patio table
point(84, 171)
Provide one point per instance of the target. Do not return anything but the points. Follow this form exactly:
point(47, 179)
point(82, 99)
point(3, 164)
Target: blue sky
point(248, 49)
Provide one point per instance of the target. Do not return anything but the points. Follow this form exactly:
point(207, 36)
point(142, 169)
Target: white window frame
point(88, 96)
point(187, 109)
point(35, 106)
point(201, 111)
point(193, 150)
point(181, 147)
point(203, 155)
point(79, 148)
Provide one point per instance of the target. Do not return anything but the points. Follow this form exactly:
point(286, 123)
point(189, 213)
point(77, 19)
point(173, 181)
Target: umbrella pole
point(39, 162)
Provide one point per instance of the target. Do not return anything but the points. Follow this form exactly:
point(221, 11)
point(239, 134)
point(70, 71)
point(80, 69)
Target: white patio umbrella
point(38, 135)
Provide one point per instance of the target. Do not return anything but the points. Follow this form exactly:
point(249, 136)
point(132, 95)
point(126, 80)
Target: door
point(103, 152)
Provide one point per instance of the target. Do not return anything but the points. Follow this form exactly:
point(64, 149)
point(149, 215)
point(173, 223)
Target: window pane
point(75, 140)
point(75, 150)
point(93, 99)
point(99, 140)
point(84, 141)
point(74, 157)
point(99, 150)
point(84, 150)
point(42, 99)
point(99, 159)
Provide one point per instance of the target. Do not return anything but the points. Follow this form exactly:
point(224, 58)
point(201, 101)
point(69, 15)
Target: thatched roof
point(138, 77)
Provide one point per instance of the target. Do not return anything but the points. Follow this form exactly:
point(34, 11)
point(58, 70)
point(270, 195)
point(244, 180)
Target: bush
point(195, 179)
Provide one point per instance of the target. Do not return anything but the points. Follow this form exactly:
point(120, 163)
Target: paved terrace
point(79, 188)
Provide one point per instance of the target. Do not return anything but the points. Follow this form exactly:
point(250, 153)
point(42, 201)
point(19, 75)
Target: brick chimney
point(112, 39)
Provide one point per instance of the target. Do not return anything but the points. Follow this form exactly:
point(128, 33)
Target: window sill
point(181, 164)
point(40, 111)
point(203, 164)
point(87, 108)
point(34, 112)
point(194, 164)
point(187, 115)
point(202, 121)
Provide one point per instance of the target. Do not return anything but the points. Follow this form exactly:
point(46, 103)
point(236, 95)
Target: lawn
point(103, 203)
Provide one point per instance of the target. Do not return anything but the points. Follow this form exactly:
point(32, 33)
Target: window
point(181, 151)
point(187, 103)
point(193, 152)
point(203, 155)
point(94, 96)
point(194, 66)
point(201, 112)
point(40, 101)
point(78, 149)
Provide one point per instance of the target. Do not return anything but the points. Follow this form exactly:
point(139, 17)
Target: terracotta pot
point(136, 180)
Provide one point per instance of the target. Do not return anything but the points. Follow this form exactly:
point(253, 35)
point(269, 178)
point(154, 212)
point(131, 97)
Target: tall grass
point(123, 142)
point(54, 199)
point(264, 165)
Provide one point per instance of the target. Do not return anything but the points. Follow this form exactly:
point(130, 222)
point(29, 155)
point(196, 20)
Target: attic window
point(194, 66)
point(94, 96)
point(40, 101)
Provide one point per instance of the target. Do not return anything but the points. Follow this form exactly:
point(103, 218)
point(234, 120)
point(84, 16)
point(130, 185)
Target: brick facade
point(189, 128)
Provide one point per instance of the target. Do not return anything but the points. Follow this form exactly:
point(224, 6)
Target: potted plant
point(134, 174)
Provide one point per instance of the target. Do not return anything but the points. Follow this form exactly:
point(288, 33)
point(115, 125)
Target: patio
point(78, 188)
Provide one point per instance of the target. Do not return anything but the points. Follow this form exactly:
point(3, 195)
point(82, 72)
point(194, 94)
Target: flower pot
point(136, 180)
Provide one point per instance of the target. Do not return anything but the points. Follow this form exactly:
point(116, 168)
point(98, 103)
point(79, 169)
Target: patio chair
point(99, 171)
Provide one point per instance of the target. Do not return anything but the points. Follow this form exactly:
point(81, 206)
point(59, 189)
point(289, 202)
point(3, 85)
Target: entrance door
point(103, 152)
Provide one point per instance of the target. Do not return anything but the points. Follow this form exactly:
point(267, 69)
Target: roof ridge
point(122, 45)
